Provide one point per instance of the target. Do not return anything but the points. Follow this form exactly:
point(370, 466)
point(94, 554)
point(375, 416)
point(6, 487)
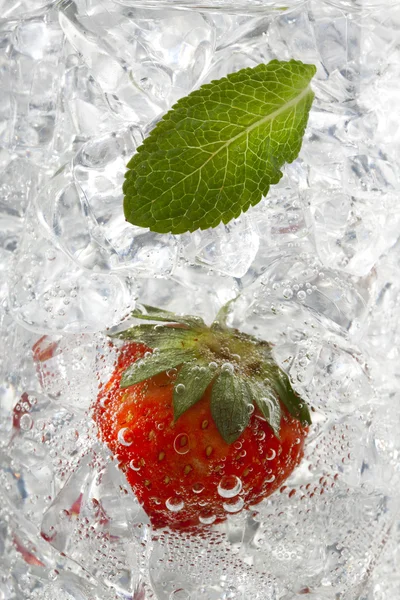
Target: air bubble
point(198, 488)
point(121, 437)
point(270, 479)
point(181, 443)
point(104, 401)
point(180, 389)
point(180, 594)
point(50, 255)
point(26, 422)
point(301, 295)
point(133, 466)
point(229, 486)
point(53, 574)
point(287, 293)
point(174, 504)
point(228, 368)
point(206, 518)
point(213, 366)
point(234, 507)
point(271, 455)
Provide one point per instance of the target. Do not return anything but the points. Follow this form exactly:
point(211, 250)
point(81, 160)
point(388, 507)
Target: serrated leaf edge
point(167, 121)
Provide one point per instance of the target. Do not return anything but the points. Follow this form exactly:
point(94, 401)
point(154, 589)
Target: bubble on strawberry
point(181, 444)
point(271, 455)
point(134, 466)
point(174, 504)
point(229, 486)
point(123, 437)
point(198, 488)
point(206, 518)
point(235, 506)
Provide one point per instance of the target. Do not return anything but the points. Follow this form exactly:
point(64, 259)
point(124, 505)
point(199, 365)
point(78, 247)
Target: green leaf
point(267, 402)
point(295, 405)
point(218, 150)
point(230, 406)
point(154, 364)
point(158, 336)
point(190, 386)
point(158, 314)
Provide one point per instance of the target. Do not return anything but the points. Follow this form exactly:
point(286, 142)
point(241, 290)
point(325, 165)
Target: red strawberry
point(202, 427)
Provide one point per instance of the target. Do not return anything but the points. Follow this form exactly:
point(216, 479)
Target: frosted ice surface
point(142, 61)
point(315, 265)
point(31, 81)
point(218, 248)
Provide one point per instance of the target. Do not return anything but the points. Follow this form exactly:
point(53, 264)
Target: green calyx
point(240, 369)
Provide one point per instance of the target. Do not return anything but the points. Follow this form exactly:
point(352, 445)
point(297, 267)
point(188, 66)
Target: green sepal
point(230, 408)
point(222, 315)
point(153, 313)
point(158, 336)
point(154, 364)
point(195, 379)
point(267, 402)
point(294, 404)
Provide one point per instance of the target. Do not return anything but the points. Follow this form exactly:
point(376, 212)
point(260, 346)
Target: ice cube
point(297, 284)
point(18, 180)
point(229, 249)
point(84, 100)
point(354, 229)
point(142, 60)
point(83, 208)
point(91, 521)
point(34, 58)
point(51, 293)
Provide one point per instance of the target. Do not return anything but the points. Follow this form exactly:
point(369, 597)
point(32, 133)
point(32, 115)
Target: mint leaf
point(218, 150)
point(230, 406)
point(190, 386)
point(154, 364)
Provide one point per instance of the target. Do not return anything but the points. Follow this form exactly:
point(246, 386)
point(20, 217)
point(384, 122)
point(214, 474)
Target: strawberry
point(201, 419)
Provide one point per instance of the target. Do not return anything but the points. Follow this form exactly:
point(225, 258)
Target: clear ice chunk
point(218, 248)
point(82, 209)
point(49, 292)
point(142, 60)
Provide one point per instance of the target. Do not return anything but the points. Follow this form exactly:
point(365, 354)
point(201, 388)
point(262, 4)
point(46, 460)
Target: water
point(314, 268)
